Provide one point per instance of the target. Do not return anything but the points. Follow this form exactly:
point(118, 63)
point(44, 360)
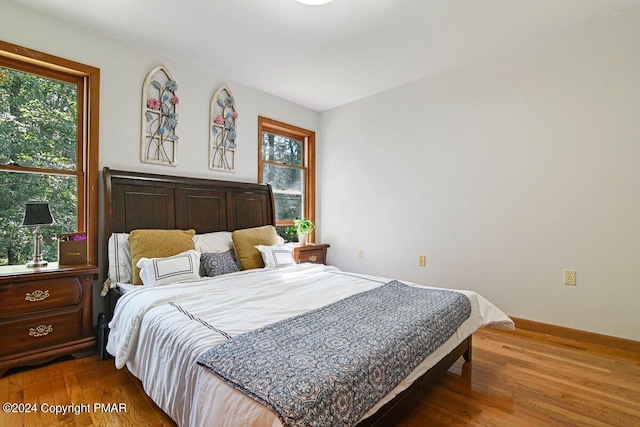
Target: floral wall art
point(159, 143)
point(222, 131)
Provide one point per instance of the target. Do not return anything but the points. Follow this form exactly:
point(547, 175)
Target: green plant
point(302, 226)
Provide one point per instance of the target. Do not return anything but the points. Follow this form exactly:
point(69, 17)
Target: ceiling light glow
point(314, 2)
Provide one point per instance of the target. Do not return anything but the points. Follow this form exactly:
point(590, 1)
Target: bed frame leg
point(467, 353)
point(102, 333)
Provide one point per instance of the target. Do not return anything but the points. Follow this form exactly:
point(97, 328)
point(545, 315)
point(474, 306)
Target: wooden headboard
point(139, 200)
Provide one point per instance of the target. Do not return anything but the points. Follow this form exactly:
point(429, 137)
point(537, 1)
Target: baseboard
point(593, 338)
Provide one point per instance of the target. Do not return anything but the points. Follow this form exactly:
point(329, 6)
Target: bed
point(162, 333)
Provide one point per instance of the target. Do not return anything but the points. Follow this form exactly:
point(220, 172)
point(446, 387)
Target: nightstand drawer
point(316, 256)
point(35, 332)
point(20, 299)
point(314, 253)
point(45, 313)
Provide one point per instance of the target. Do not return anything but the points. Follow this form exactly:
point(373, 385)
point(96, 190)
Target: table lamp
point(37, 214)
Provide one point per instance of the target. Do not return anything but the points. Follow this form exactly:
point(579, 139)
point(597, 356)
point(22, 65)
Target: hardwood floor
point(519, 378)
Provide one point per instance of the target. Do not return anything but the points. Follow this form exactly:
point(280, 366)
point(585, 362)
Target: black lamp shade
point(37, 213)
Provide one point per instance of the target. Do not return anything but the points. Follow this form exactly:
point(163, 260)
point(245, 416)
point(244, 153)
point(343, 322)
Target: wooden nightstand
point(311, 253)
point(45, 313)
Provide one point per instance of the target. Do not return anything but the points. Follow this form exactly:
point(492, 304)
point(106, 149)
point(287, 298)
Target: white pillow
point(120, 270)
point(162, 271)
point(276, 256)
point(217, 242)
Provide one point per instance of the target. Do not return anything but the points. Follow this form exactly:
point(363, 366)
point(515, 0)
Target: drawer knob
point(313, 258)
point(37, 295)
point(40, 331)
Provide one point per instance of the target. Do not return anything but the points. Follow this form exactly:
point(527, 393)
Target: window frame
point(308, 139)
point(88, 80)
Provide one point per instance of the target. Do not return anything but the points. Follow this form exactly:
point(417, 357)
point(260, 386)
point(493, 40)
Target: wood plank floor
point(516, 378)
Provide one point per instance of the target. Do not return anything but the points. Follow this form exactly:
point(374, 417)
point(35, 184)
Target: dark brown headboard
point(139, 200)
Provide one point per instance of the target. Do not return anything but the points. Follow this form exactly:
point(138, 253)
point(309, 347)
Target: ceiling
point(325, 56)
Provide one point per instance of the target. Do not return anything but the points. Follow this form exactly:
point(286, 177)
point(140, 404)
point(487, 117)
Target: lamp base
point(36, 260)
point(41, 263)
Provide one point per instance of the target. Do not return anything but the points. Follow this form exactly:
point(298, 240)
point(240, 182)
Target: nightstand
point(311, 253)
point(45, 313)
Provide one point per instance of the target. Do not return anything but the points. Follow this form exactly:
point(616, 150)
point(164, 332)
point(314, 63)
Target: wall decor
point(159, 143)
point(222, 131)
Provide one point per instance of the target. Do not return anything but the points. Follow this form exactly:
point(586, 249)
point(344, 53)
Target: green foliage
point(303, 226)
point(280, 149)
point(284, 173)
point(287, 233)
point(38, 129)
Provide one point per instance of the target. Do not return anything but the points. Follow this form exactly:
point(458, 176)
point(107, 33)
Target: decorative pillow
point(276, 256)
point(215, 264)
point(119, 258)
point(157, 244)
point(217, 242)
point(162, 271)
point(246, 240)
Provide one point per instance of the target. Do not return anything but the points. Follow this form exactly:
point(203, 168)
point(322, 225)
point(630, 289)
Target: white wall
point(123, 68)
point(504, 173)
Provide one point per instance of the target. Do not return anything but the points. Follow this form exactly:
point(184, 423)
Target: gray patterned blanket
point(329, 366)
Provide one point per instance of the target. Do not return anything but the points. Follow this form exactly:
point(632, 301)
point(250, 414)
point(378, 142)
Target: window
point(48, 149)
point(286, 160)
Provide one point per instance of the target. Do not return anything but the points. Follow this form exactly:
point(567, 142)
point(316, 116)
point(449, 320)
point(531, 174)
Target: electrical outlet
point(570, 277)
point(360, 253)
point(422, 260)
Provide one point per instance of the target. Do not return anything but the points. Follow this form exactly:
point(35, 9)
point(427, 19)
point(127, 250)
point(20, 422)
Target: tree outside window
point(44, 154)
point(287, 162)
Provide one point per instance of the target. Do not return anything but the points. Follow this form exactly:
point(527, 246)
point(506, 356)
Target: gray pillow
point(213, 264)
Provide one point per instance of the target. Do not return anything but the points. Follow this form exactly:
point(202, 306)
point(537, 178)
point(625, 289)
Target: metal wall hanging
point(222, 131)
point(160, 100)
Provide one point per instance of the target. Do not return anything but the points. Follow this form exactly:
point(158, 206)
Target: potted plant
point(303, 227)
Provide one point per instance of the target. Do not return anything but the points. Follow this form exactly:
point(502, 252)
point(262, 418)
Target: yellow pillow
point(157, 244)
point(245, 241)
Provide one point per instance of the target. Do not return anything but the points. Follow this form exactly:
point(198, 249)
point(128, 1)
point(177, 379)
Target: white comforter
point(159, 343)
